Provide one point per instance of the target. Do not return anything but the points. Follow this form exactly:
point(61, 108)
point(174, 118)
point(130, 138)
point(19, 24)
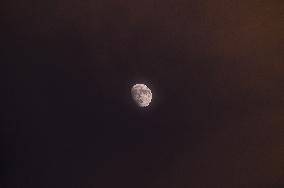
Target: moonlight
point(141, 94)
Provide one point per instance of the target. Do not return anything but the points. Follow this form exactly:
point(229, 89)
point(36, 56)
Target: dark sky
point(216, 70)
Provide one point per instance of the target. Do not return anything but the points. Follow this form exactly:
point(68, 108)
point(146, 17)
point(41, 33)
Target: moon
point(141, 95)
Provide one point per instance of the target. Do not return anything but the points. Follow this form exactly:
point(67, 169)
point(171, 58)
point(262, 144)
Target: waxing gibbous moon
point(141, 95)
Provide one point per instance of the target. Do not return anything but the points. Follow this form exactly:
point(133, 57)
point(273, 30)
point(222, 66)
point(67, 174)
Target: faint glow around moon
point(141, 94)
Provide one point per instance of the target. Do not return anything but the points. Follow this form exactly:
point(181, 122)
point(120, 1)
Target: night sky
point(215, 68)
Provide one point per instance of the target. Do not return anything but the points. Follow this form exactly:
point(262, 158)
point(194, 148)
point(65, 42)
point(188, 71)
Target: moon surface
point(141, 94)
